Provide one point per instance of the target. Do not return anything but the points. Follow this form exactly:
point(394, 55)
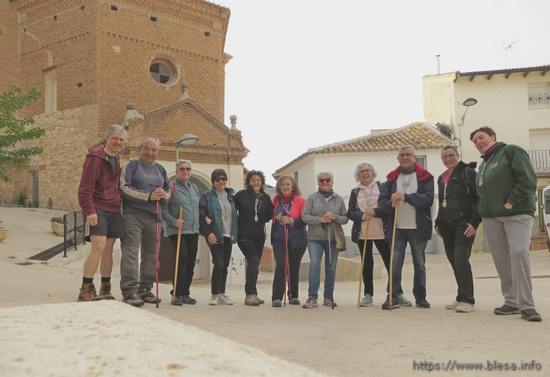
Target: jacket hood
point(421, 173)
point(98, 151)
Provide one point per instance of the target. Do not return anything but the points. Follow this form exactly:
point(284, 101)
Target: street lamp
point(467, 103)
point(185, 139)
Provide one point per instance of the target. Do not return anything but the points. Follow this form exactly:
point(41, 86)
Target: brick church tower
point(156, 66)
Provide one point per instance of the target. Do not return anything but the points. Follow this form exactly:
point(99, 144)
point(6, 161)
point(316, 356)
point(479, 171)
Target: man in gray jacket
point(144, 183)
point(324, 212)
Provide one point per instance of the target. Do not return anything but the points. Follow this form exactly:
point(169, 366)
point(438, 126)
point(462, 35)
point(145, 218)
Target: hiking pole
point(363, 257)
point(178, 244)
point(392, 250)
point(287, 268)
point(330, 262)
point(157, 251)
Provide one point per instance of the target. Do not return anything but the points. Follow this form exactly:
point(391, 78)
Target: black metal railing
point(540, 158)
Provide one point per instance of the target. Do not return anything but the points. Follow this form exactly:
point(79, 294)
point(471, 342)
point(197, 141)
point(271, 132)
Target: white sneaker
point(366, 301)
point(214, 299)
point(224, 299)
point(452, 306)
point(464, 307)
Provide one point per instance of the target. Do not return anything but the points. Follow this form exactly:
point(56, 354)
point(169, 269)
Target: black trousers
point(458, 248)
point(252, 249)
point(368, 268)
point(294, 259)
point(186, 262)
point(221, 256)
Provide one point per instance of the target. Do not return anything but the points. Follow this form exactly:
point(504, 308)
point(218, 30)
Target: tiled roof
point(507, 72)
point(420, 135)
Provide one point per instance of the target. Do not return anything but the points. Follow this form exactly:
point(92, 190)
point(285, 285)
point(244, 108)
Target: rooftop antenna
point(438, 65)
point(507, 46)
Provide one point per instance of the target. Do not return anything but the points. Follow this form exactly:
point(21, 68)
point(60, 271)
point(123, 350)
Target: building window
point(422, 161)
point(163, 71)
point(296, 177)
point(538, 96)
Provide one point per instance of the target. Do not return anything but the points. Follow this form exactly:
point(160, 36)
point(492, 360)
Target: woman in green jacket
point(506, 185)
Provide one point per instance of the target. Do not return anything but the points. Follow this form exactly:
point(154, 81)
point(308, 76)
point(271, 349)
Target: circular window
point(163, 71)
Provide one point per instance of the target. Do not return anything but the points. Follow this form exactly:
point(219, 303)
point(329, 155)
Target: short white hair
point(360, 167)
point(150, 140)
point(401, 147)
point(115, 128)
point(326, 173)
point(183, 162)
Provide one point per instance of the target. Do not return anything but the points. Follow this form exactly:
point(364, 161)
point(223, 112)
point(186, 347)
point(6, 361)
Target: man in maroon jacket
point(99, 198)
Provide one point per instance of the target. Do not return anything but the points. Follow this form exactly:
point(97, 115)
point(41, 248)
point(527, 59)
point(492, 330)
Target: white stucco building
point(379, 148)
point(514, 102)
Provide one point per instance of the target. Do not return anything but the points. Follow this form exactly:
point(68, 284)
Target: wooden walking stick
point(363, 257)
point(392, 249)
point(178, 244)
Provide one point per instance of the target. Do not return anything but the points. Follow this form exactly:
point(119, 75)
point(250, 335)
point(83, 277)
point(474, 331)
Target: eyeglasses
point(324, 180)
point(184, 169)
point(364, 171)
point(223, 179)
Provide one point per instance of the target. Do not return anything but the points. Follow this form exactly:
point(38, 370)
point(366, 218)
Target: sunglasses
point(184, 169)
point(223, 179)
point(324, 180)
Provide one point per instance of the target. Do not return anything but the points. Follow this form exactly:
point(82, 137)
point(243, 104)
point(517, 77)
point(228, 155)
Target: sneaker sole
point(137, 305)
point(532, 318)
point(498, 312)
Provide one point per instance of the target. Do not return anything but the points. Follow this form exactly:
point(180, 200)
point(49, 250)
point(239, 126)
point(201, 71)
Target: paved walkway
point(345, 341)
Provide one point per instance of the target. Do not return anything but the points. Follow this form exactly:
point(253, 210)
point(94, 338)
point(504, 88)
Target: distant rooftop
point(420, 135)
point(506, 72)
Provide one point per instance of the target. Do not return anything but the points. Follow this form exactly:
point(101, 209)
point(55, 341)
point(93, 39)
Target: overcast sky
point(310, 72)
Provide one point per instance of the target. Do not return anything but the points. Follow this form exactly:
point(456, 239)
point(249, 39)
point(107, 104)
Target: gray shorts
point(108, 224)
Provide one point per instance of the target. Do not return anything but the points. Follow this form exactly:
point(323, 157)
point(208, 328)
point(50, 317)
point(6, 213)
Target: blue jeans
point(419, 258)
point(316, 249)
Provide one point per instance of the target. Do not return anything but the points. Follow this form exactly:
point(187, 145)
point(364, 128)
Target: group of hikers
point(132, 202)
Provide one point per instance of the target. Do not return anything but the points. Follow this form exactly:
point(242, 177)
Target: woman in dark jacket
point(254, 210)
point(218, 224)
point(363, 209)
point(457, 221)
point(287, 227)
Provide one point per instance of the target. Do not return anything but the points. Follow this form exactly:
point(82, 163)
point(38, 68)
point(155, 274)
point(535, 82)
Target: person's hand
point(325, 219)
point(396, 198)
point(369, 213)
point(212, 240)
point(279, 217)
point(470, 231)
point(91, 219)
point(287, 220)
point(207, 220)
point(179, 223)
point(331, 216)
point(157, 194)
point(508, 205)
point(437, 231)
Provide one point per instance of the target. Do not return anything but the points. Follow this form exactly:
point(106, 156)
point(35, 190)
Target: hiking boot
point(366, 301)
point(402, 300)
point(294, 301)
point(276, 303)
point(464, 307)
point(188, 300)
point(329, 302)
point(252, 300)
point(423, 304)
point(311, 303)
point(148, 296)
point(105, 292)
point(531, 315)
point(224, 299)
point(177, 300)
point(506, 310)
point(213, 300)
point(87, 293)
point(386, 305)
point(452, 306)
point(133, 299)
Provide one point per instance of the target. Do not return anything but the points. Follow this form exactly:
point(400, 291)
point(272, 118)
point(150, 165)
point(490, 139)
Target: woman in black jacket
point(457, 221)
point(363, 209)
point(254, 209)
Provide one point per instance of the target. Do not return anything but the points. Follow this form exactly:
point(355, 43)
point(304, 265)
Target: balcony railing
point(540, 160)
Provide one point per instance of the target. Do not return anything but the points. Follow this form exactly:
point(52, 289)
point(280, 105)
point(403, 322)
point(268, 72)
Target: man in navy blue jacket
point(411, 188)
